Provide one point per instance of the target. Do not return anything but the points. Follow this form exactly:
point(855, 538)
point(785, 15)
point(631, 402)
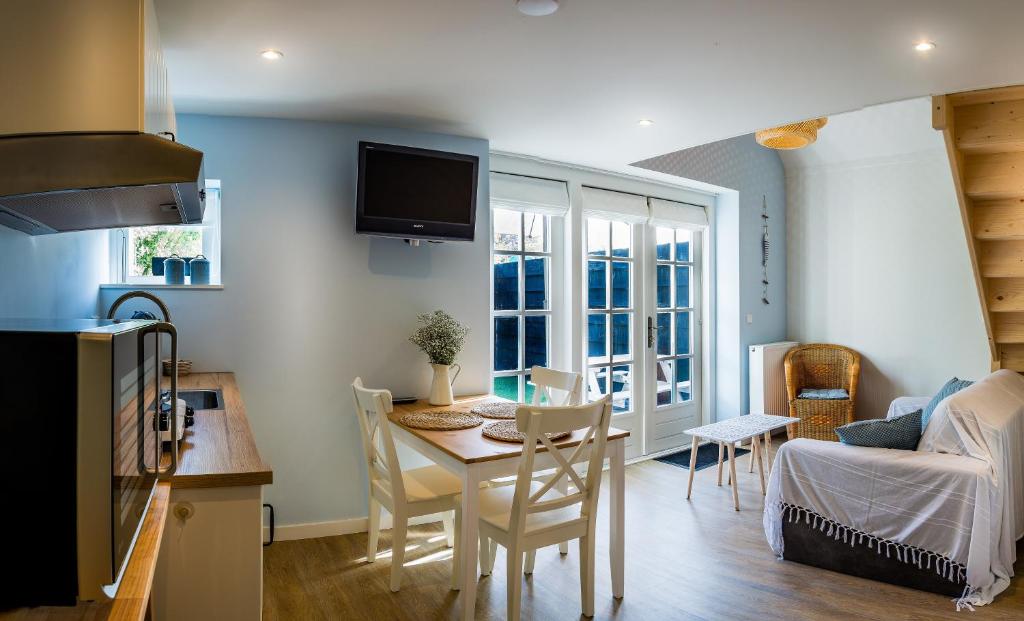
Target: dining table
point(476, 459)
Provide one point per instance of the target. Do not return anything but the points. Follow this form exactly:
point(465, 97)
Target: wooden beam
point(1005, 295)
point(1001, 259)
point(989, 95)
point(1012, 357)
point(942, 113)
point(991, 128)
point(991, 176)
point(1002, 219)
point(1008, 328)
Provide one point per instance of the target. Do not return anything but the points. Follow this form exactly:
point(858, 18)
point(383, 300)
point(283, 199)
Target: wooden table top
point(469, 445)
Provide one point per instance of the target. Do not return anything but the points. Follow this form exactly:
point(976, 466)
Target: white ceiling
point(570, 87)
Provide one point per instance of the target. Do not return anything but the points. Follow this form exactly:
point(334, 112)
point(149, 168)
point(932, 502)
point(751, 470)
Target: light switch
point(750, 318)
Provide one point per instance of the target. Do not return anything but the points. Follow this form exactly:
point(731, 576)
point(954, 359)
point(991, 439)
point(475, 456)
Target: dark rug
point(707, 455)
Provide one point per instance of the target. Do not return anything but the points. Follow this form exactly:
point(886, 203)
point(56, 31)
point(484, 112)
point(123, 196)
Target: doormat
point(707, 455)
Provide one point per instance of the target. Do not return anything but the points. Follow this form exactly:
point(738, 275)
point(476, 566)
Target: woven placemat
point(440, 420)
point(505, 430)
point(504, 410)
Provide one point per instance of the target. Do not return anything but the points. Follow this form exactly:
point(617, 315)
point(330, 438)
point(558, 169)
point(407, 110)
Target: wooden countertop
point(219, 450)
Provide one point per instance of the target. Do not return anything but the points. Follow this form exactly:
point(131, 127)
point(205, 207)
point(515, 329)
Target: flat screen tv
point(414, 193)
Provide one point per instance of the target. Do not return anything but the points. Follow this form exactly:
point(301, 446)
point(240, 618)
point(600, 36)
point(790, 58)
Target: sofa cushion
point(901, 432)
point(951, 387)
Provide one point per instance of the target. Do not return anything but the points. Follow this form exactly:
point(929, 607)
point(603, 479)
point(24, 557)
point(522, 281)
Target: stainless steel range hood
point(51, 183)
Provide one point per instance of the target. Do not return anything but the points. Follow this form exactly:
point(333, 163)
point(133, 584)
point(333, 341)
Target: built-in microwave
point(78, 408)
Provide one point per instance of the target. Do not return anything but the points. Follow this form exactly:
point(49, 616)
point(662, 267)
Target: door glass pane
point(682, 287)
point(597, 385)
point(664, 286)
point(597, 284)
point(536, 343)
point(664, 382)
point(506, 282)
point(507, 387)
point(597, 236)
point(621, 235)
point(622, 388)
point(535, 235)
point(620, 284)
point(663, 249)
point(684, 390)
point(683, 238)
point(683, 333)
point(536, 269)
point(507, 231)
point(664, 334)
point(530, 390)
point(506, 343)
point(620, 335)
point(597, 338)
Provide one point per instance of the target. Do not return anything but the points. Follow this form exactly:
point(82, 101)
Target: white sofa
point(951, 511)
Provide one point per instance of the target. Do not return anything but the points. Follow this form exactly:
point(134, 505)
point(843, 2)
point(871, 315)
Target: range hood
point(87, 129)
point(52, 183)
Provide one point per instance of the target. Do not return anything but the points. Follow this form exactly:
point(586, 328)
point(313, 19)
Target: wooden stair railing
point(984, 135)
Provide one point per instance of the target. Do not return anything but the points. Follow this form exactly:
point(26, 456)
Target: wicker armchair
point(820, 365)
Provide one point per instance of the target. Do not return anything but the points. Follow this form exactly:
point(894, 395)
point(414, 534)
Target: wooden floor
point(684, 560)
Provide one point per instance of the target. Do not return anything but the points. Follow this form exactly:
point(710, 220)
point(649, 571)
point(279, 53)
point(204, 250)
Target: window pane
point(597, 284)
point(507, 387)
point(506, 343)
point(683, 388)
point(664, 286)
point(161, 242)
point(506, 282)
point(621, 233)
point(620, 284)
point(597, 385)
point(536, 343)
point(683, 333)
point(622, 388)
point(682, 287)
point(663, 238)
point(664, 334)
point(507, 231)
point(531, 389)
point(683, 238)
point(536, 237)
point(597, 236)
point(664, 382)
point(536, 282)
point(597, 338)
point(620, 335)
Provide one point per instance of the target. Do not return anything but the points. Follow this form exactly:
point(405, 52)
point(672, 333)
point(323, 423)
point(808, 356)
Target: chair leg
point(531, 558)
point(587, 575)
point(397, 551)
point(491, 555)
point(515, 581)
point(563, 548)
point(373, 533)
point(458, 553)
point(486, 560)
point(448, 519)
point(753, 449)
point(721, 455)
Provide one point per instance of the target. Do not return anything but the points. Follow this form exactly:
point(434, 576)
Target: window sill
point(144, 285)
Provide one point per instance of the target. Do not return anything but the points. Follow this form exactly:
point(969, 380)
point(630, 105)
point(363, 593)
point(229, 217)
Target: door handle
point(652, 332)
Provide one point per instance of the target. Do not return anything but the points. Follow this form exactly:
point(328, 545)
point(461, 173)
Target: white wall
point(877, 256)
point(308, 305)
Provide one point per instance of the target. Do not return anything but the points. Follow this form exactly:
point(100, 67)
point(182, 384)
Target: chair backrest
point(822, 365)
point(372, 409)
point(533, 421)
point(545, 379)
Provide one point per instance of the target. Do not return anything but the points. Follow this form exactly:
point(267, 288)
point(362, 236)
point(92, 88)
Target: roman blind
point(521, 193)
point(610, 205)
point(677, 215)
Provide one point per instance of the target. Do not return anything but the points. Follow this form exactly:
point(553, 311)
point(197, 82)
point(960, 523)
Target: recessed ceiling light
point(537, 8)
point(924, 46)
point(272, 54)
point(645, 122)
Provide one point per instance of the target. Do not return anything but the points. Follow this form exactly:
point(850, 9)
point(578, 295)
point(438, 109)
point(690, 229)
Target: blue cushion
point(952, 386)
point(823, 393)
point(901, 432)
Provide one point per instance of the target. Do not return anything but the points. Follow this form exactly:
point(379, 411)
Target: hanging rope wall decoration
point(764, 248)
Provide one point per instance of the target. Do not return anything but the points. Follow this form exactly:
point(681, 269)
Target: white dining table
point(474, 459)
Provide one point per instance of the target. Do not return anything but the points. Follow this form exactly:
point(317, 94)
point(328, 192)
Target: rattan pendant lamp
point(792, 136)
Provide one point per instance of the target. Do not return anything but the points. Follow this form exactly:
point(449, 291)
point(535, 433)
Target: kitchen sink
point(203, 399)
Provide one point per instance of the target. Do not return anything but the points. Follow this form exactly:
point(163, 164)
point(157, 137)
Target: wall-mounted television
point(413, 193)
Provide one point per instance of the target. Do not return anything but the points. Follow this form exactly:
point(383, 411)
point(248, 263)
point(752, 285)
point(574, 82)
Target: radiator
point(768, 378)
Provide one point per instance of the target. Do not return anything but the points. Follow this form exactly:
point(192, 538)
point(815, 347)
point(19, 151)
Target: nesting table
point(727, 433)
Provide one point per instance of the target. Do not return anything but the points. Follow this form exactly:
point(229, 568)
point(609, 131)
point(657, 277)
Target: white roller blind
point(615, 205)
point(519, 193)
point(677, 215)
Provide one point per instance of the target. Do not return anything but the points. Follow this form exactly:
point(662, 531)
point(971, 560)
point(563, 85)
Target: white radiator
point(768, 378)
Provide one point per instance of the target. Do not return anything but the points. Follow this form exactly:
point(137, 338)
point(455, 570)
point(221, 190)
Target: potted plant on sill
point(441, 338)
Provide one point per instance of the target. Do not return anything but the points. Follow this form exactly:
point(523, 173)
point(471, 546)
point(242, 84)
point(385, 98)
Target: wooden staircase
point(984, 134)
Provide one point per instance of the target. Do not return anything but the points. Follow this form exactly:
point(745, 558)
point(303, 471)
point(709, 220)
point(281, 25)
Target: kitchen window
point(137, 252)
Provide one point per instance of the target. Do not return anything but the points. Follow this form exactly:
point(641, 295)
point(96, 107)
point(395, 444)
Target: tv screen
point(416, 193)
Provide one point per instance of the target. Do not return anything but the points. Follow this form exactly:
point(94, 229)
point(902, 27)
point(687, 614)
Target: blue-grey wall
point(750, 171)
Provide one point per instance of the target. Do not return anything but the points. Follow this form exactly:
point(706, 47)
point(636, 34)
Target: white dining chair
point(532, 514)
point(405, 494)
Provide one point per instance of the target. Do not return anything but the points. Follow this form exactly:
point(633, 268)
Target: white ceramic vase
point(441, 387)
